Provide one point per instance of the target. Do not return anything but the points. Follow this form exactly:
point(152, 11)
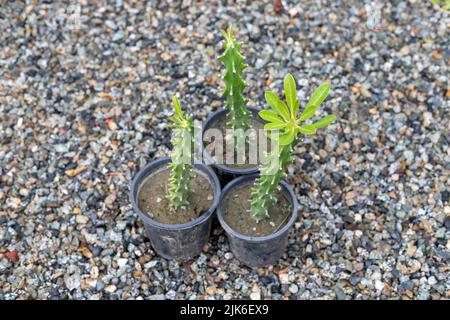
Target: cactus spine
point(238, 115)
point(181, 158)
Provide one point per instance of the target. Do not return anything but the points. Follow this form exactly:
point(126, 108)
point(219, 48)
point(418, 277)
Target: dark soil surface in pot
point(221, 124)
point(237, 215)
point(152, 198)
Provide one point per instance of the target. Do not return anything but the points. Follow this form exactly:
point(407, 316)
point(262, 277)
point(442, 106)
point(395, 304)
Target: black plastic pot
point(226, 173)
point(257, 251)
point(176, 241)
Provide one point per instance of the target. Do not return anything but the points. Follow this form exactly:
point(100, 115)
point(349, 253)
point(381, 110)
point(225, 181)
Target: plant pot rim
point(285, 189)
point(223, 167)
point(155, 165)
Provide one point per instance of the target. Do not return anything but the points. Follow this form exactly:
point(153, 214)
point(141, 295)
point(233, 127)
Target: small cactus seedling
point(238, 116)
point(284, 118)
point(181, 157)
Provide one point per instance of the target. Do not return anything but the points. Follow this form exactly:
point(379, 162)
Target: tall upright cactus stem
point(238, 115)
point(263, 192)
point(181, 157)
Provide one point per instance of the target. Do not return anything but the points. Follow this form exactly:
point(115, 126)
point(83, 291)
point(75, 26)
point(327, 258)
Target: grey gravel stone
point(354, 280)
point(84, 106)
point(447, 223)
point(407, 285)
point(293, 288)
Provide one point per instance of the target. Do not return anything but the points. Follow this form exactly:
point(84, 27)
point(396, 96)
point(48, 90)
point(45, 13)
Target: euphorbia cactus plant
point(284, 118)
point(238, 116)
point(181, 157)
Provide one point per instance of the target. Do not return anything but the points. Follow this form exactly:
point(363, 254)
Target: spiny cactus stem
point(181, 156)
point(239, 116)
point(268, 183)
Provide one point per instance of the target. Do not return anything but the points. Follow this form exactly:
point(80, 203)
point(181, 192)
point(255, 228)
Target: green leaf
point(319, 95)
point(269, 116)
point(176, 105)
point(286, 138)
point(274, 126)
point(307, 129)
point(324, 121)
point(308, 112)
point(296, 107)
point(277, 105)
point(290, 92)
point(174, 119)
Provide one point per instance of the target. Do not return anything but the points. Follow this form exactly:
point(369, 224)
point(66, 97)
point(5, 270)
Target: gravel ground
point(84, 105)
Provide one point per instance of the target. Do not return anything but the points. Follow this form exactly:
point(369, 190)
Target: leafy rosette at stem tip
point(181, 157)
point(238, 116)
point(284, 118)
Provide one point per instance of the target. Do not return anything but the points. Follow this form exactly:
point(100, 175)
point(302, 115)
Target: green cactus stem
point(263, 192)
point(181, 158)
point(238, 116)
